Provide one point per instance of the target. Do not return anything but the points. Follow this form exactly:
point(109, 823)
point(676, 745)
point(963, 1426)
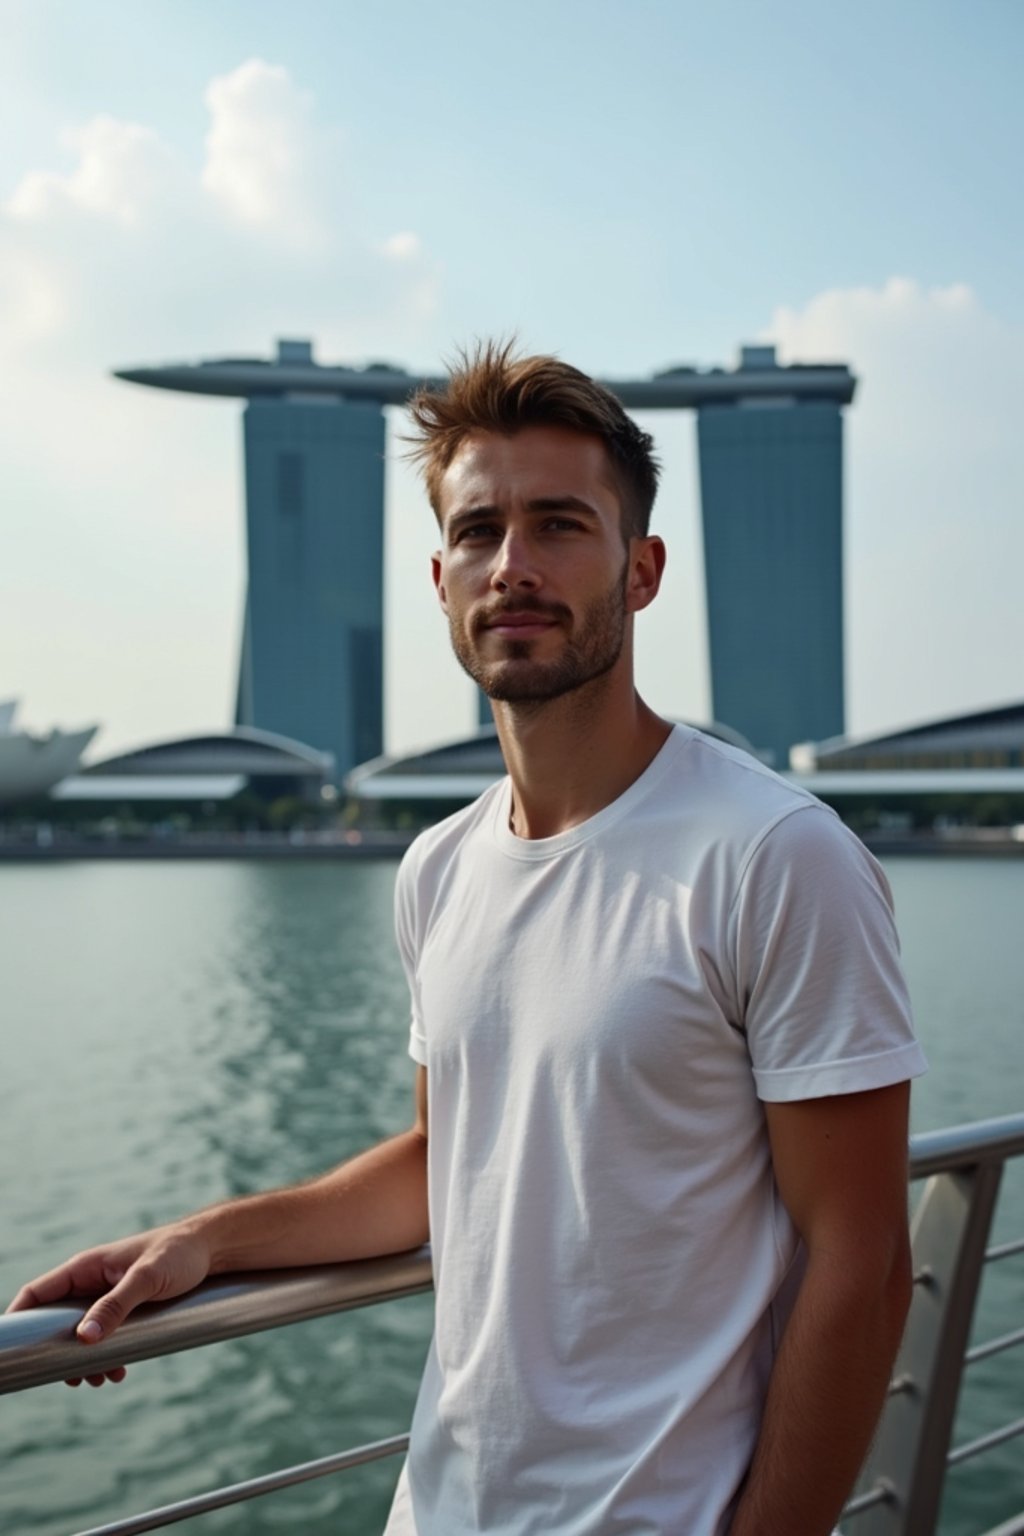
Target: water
point(177, 1033)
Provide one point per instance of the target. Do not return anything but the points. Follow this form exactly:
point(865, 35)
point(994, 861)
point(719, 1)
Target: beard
point(589, 653)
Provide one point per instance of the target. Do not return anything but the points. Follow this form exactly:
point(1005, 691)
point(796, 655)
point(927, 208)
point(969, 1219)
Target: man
point(662, 1049)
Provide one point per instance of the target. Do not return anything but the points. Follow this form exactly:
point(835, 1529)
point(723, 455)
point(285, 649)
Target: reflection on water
point(177, 1033)
point(184, 1033)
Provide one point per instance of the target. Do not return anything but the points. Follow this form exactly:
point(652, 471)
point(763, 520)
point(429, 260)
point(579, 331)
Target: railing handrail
point(965, 1146)
point(950, 1237)
point(39, 1346)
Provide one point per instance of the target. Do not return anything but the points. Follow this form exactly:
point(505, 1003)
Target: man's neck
point(570, 757)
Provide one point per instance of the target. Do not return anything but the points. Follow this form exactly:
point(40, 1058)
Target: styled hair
point(492, 390)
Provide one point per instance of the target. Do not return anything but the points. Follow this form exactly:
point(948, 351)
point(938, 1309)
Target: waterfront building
point(954, 765)
point(967, 767)
point(312, 655)
point(29, 763)
point(311, 662)
point(985, 740)
point(439, 779)
point(208, 768)
point(771, 478)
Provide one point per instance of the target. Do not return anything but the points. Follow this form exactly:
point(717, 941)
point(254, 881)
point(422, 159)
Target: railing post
point(949, 1235)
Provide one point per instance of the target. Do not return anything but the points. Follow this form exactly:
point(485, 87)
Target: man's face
point(533, 573)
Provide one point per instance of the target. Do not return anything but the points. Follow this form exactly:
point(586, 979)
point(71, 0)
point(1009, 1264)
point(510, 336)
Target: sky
point(629, 186)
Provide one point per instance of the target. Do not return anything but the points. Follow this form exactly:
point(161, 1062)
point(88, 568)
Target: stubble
point(517, 678)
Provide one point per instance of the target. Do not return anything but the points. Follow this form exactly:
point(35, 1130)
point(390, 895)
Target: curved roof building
point(985, 738)
point(457, 770)
point(211, 766)
point(981, 752)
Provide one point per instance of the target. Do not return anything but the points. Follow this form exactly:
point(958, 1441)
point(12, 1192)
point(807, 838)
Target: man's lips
point(521, 621)
point(519, 625)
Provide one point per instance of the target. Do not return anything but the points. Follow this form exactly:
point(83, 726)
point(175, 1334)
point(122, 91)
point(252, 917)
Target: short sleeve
point(406, 934)
point(823, 1000)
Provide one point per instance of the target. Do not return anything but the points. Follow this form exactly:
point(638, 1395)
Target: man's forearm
point(374, 1204)
point(824, 1400)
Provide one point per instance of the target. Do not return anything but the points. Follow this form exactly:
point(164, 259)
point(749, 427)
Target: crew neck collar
point(531, 849)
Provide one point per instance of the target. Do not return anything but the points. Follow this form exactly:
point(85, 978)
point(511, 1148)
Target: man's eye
point(562, 524)
point(477, 531)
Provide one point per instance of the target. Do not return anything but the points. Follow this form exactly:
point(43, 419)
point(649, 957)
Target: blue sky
point(629, 185)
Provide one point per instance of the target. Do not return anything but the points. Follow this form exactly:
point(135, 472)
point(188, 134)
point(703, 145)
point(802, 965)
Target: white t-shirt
point(600, 1013)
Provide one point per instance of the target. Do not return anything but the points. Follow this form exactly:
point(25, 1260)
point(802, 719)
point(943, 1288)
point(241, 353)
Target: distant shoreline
point(969, 842)
point(308, 845)
point(995, 842)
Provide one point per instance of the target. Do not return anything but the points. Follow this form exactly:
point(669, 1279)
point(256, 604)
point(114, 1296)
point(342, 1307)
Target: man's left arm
point(841, 1167)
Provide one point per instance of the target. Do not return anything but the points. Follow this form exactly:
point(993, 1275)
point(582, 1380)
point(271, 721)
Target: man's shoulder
point(433, 849)
point(719, 815)
point(731, 792)
point(764, 831)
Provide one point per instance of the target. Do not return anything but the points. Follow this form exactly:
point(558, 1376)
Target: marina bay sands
point(770, 446)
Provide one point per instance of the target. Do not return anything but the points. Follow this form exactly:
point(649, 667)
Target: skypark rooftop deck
point(758, 380)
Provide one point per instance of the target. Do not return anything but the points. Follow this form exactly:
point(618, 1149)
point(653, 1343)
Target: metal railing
point(901, 1487)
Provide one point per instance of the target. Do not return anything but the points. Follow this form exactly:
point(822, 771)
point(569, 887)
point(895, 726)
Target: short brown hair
point(492, 390)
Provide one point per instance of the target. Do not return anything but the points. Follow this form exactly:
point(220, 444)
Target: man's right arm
point(374, 1204)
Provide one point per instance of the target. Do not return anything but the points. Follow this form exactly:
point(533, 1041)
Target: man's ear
point(435, 571)
point(646, 567)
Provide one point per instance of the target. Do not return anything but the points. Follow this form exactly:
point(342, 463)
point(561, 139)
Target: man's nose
point(515, 568)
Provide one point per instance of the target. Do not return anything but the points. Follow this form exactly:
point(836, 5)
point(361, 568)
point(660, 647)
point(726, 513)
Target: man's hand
point(375, 1204)
point(152, 1266)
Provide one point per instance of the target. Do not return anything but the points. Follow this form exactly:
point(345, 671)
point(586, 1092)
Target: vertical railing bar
point(951, 1230)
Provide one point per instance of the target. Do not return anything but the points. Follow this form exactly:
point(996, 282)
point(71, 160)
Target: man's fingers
point(53, 1286)
point(117, 1374)
point(138, 1285)
point(84, 1275)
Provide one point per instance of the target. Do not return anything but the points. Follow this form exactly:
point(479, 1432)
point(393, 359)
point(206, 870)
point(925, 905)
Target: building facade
point(771, 479)
point(312, 653)
point(311, 668)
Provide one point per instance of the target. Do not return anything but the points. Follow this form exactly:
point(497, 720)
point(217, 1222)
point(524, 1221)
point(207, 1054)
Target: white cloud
point(935, 540)
point(33, 301)
point(121, 169)
point(120, 589)
point(132, 249)
point(405, 246)
point(261, 150)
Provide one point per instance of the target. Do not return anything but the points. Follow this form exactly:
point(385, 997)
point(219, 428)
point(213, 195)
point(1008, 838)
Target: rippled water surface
point(176, 1033)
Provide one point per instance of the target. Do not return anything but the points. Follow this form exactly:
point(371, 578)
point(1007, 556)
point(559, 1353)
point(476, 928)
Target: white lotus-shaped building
point(30, 765)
